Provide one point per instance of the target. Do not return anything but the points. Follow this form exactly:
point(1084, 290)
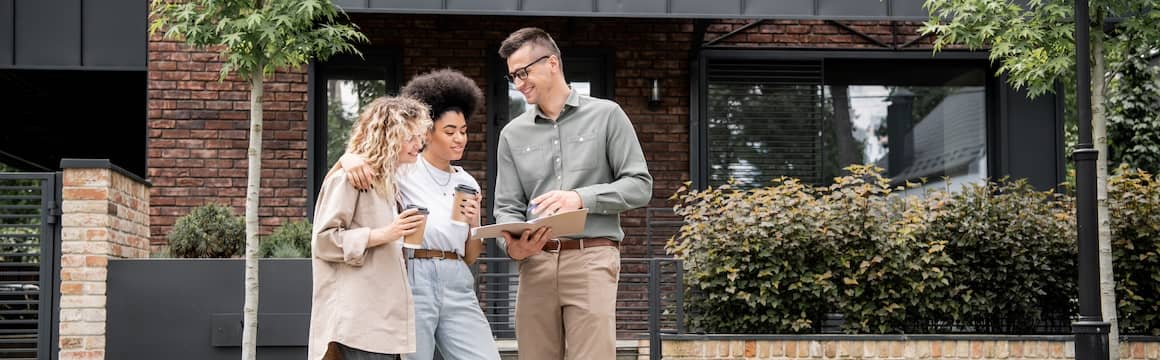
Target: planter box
point(191, 308)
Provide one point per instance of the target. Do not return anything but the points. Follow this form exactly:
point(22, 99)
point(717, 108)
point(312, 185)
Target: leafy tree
point(1134, 107)
point(256, 38)
point(339, 120)
point(1034, 45)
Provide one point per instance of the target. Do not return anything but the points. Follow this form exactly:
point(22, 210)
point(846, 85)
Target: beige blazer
point(361, 296)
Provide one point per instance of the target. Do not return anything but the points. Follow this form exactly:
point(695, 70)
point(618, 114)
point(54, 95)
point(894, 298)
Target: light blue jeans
point(447, 313)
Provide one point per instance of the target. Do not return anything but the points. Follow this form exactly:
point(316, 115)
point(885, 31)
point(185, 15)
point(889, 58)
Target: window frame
point(699, 167)
point(390, 61)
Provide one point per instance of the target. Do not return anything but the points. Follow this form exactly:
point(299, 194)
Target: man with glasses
point(569, 152)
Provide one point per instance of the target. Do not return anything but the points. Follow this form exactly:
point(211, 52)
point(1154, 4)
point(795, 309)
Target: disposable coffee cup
point(415, 240)
point(462, 193)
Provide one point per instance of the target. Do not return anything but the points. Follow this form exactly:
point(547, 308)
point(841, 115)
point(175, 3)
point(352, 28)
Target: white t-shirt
point(428, 186)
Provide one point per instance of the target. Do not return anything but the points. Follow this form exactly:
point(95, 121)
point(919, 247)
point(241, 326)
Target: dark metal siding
point(761, 9)
point(68, 35)
point(1032, 130)
point(190, 309)
point(48, 33)
point(494, 5)
point(114, 33)
point(7, 27)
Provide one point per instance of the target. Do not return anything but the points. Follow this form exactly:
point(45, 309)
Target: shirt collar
point(572, 102)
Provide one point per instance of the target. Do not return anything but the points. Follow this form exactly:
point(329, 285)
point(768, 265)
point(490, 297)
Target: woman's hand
point(470, 209)
point(358, 173)
point(405, 224)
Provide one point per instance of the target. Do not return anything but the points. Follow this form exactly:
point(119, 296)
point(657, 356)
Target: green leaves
point(258, 37)
point(1034, 46)
point(1134, 203)
point(776, 259)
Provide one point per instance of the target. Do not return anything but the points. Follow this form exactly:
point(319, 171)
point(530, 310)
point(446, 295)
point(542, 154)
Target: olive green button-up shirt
point(590, 148)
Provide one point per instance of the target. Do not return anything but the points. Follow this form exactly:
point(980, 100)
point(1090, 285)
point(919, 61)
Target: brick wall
point(105, 214)
point(198, 126)
point(855, 348)
point(198, 131)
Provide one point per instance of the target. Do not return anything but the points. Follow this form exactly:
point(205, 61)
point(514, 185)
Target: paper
point(563, 224)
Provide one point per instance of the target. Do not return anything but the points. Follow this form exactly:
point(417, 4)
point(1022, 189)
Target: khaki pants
point(566, 305)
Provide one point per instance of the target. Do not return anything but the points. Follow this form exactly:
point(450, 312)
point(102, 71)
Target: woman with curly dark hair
point(447, 313)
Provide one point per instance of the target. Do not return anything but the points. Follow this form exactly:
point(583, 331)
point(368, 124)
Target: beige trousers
point(566, 305)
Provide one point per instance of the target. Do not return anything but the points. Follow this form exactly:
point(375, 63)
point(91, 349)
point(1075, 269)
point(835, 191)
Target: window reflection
point(517, 104)
point(913, 132)
point(345, 99)
point(918, 121)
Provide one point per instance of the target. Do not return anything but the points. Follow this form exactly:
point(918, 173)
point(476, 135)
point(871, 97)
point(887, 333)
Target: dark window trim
point(609, 57)
point(316, 130)
point(698, 109)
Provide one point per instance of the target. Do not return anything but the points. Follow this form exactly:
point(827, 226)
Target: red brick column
point(105, 214)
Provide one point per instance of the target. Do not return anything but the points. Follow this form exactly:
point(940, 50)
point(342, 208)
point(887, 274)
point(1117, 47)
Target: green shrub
point(291, 240)
point(776, 259)
point(208, 231)
point(1134, 205)
point(1014, 253)
point(752, 258)
point(889, 274)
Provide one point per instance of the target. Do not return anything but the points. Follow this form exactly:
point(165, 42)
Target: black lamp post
point(1091, 332)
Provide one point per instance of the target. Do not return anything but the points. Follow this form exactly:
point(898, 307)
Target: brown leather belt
point(433, 254)
point(578, 244)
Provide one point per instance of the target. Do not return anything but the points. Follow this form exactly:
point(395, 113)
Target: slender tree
point(1034, 45)
point(255, 38)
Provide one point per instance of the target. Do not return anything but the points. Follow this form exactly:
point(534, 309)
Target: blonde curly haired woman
point(448, 316)
point(361, 306)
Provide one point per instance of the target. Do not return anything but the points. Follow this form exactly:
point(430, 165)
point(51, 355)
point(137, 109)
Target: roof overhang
point(900, 10)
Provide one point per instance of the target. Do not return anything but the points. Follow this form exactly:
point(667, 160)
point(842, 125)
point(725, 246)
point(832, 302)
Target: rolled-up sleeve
point(334, 239)
point(631, 185)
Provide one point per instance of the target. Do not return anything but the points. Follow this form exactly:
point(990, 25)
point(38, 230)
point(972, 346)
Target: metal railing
point(649, 299)
point(28, 249)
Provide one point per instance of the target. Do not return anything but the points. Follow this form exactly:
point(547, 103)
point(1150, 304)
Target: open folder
point(562, 224)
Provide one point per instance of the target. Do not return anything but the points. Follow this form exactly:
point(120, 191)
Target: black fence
point(190, 308)
point(650, 296)
point(28, 267)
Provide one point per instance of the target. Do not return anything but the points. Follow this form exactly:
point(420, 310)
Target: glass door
point(341, 87)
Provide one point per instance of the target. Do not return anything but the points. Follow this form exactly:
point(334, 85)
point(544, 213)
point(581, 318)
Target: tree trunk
point(1100, 137)
point(253, 181)
point(844, 135)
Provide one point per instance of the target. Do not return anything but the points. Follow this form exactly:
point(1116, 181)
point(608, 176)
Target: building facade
point(793, 91)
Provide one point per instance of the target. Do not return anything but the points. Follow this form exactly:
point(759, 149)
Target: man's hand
point(530, 243)
point(358, 173)
point(556, 201)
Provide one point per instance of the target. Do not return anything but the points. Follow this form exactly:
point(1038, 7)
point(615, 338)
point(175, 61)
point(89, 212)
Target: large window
point(809, 119)
point(342, 86)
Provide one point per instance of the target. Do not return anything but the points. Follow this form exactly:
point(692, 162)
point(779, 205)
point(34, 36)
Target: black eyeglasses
point(522, 73)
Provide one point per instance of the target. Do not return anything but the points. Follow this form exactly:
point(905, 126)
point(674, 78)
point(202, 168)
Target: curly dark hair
point(445, 90)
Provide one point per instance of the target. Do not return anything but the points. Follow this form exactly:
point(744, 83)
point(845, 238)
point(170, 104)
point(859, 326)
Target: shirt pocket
point(533, 162)
point(584, 151)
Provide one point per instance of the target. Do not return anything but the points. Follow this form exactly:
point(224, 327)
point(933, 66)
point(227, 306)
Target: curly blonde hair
point(382, 129)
